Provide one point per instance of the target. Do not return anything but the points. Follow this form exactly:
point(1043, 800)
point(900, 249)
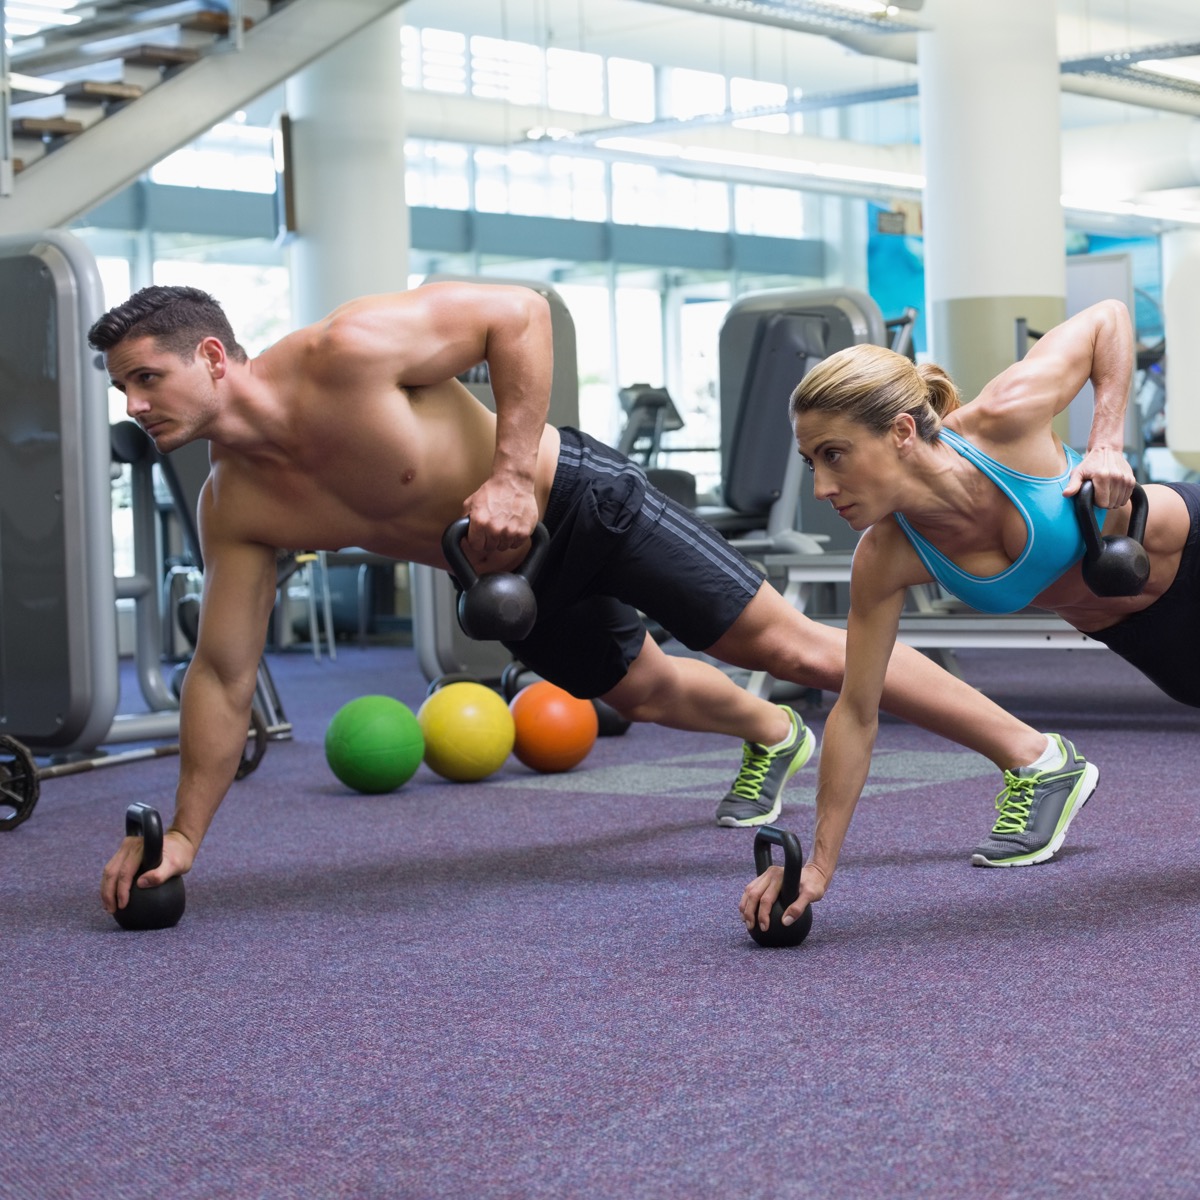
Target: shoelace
point(1014, 803)
point(756, 761)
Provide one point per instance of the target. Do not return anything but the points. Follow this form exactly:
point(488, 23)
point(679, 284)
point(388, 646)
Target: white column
point(993, 223)
point(347, 134)
point(1181, 304)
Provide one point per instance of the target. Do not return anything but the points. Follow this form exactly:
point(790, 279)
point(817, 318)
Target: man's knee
point(645, 690)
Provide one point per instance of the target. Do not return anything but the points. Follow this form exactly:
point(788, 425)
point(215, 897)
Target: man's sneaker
point(1035, 809)
point(757, 793)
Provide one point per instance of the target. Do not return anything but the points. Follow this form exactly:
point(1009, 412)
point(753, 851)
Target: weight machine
point(59, 664)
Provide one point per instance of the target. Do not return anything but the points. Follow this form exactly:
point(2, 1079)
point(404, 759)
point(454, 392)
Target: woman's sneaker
point(1035, 809)
point(757, 793)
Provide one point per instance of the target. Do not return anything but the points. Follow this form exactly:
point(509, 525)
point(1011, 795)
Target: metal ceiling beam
point(813, 102)
point(1110, 77)
point(802, 16)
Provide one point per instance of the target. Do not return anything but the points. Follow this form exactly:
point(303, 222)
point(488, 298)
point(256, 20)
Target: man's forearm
point(213, 729)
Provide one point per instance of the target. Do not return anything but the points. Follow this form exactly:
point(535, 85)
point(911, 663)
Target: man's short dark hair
point(178, 318)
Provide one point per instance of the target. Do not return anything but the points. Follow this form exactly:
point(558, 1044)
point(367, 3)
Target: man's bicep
point(460, 325)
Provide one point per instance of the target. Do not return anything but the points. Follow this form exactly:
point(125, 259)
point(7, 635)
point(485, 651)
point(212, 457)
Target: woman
point(977, 497)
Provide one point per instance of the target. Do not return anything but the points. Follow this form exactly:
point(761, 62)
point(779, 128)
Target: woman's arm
point(1095, 345)
point(877, 592)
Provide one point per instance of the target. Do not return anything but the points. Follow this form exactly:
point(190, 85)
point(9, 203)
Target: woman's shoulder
point(884, 559)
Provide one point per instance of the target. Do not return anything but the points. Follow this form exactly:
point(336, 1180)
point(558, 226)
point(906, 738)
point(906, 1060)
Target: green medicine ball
point(374, 744)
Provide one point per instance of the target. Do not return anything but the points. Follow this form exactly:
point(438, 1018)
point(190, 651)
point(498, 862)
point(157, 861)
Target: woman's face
point(852, 466)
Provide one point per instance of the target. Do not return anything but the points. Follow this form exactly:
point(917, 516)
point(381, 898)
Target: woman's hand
point(760, 895)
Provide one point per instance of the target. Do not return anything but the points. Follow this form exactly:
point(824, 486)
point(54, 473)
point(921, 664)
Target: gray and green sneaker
point(1036, 807)
point(757, 793)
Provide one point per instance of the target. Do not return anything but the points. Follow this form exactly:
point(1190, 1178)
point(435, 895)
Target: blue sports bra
point(1053, 543)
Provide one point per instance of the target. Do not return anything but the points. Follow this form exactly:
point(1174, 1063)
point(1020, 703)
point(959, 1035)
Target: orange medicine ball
point(554, 730)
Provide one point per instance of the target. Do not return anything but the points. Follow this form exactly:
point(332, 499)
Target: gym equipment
point(60, 684)
point(499, 607)
point(20, 778)
point(442, 647)
point(1116, 565)
point(19, 783)
point(554, 731)
point(374, 744)
point(468, 731)
point(649, 413)
point(154, 907)
point(517, 675)
point(778, 934)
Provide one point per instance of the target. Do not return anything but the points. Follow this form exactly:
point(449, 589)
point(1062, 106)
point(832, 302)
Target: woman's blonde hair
point(873, 386)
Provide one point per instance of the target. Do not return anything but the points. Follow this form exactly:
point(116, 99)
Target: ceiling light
point(1187, 69)
point(1165, 214)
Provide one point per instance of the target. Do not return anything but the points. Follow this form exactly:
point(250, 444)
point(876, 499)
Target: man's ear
point(212, 351)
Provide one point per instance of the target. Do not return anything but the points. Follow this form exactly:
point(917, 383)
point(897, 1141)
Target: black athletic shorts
point(618, 548)
point(1163, 641)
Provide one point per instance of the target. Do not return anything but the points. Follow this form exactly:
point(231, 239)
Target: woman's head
point(873, 386)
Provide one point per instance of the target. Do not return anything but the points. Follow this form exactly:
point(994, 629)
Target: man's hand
point(1111, 476)
point(177, 857)
point(761, 893)
point(502, 515)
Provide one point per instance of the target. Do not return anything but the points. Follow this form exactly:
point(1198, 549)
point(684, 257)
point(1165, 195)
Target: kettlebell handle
point(1085, 509)
point(143, 821)
point(1085, 512)
point(466, 574)
point(768, 836)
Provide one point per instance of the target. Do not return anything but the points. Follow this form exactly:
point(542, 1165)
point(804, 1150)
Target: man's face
point(173, 399)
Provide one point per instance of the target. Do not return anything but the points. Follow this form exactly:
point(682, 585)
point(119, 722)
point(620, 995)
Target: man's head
point(177, 318)
point(168, 349)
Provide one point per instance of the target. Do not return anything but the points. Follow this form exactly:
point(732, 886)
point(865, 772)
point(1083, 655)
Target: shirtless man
point(354, 431)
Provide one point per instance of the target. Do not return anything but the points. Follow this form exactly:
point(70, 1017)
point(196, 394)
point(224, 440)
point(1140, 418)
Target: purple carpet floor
point(538, 986)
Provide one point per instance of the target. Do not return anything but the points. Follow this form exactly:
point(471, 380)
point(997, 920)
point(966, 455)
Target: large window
point(540, 183)
point(695, 387)
point(256, 299)
point(510, 71)
point(232, 156)
point(644, 195)
point(434, 60)
point(631, 90)
point(437, 174)
point(746, 94)
point(550, 180)
point(575, 81)
point(768, 211)
point(688, 93)
point(589, 311)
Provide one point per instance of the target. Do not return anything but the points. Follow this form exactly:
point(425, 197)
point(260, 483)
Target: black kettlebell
point(777, 933)
point(500, 607)
point(155, 907)
point(1116, 565)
